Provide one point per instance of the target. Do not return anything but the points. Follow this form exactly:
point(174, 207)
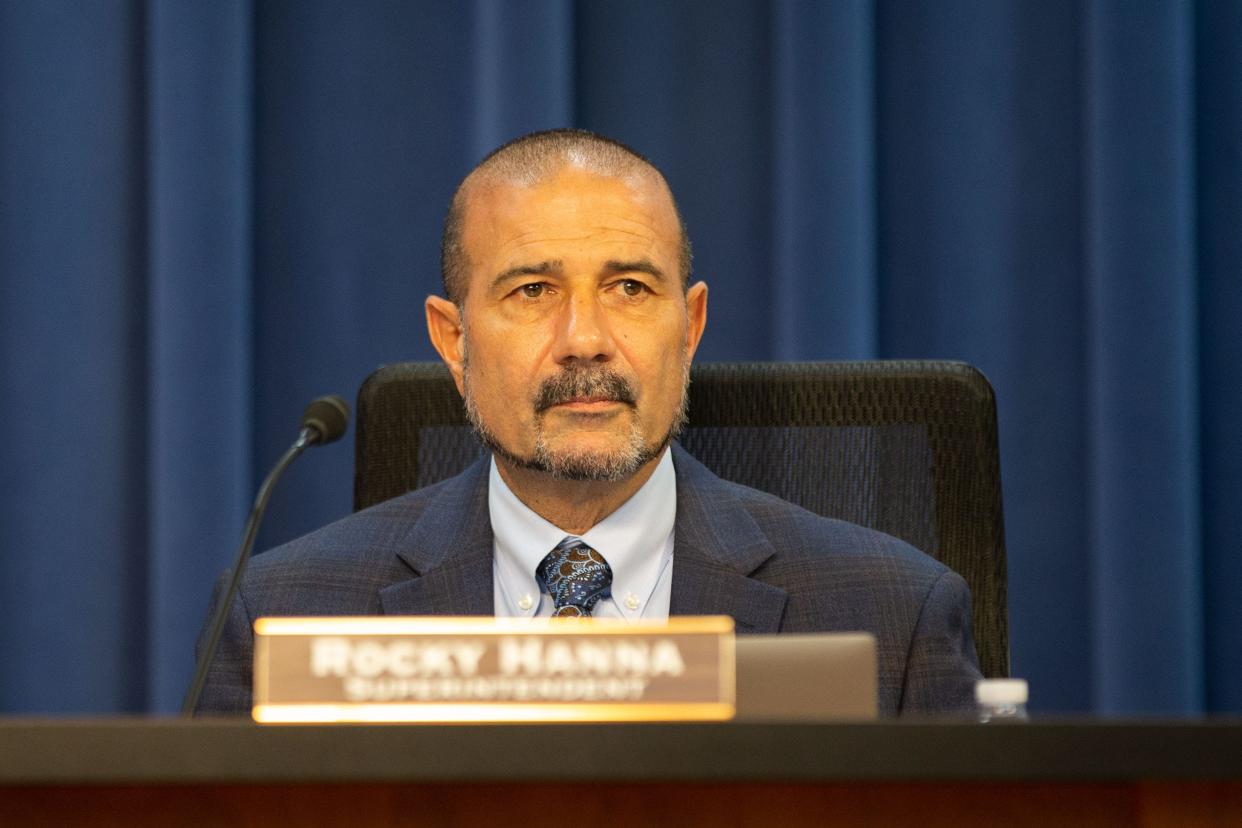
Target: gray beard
point(604, 466)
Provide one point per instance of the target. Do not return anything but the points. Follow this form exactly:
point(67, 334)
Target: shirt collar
point(633, 539)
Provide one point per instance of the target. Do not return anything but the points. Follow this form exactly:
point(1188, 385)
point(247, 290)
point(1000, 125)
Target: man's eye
point(632, 287)
point(533, 291)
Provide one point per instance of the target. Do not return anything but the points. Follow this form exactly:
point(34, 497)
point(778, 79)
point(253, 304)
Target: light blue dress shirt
point(636, 540)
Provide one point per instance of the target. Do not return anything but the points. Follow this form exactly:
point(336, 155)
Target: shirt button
point(631, 601)
point(526, 602)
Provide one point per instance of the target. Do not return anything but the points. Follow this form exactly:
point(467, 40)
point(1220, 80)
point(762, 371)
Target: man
point(569, 327)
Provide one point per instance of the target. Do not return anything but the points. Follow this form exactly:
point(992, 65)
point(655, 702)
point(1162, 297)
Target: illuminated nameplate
point(425, 669)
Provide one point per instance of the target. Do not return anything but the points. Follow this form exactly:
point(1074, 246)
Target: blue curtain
point(212, 212)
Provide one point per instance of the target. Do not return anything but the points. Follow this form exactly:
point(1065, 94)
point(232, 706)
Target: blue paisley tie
point(576, 576)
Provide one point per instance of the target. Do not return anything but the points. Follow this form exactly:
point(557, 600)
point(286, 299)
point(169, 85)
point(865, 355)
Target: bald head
point(534, 158)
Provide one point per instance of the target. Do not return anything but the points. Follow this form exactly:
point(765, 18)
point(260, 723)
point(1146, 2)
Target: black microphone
point(323, 422)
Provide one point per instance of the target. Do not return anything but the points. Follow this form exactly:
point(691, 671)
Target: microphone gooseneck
point(324, 421)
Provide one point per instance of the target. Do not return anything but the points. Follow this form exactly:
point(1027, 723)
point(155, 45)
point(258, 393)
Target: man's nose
point(583, 331)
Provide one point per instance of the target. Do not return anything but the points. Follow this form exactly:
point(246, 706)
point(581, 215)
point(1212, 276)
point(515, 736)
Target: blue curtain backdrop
point(212, 212)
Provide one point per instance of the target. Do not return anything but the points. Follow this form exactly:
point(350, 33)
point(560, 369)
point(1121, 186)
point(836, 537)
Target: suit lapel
point(717, 547)
point(449, 550)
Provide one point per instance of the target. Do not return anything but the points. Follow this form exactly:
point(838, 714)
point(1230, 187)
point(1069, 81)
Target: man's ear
point(447, 334)
point(696, 313)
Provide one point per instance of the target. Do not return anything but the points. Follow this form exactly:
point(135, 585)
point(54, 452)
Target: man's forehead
point(571, 203)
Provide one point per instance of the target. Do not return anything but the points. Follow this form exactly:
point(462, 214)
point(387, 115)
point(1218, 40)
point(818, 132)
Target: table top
point(167, 750)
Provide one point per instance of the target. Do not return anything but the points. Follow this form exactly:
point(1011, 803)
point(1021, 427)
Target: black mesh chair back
point(908, 448)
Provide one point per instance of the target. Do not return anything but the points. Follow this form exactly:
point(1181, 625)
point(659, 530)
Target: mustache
point(576, 381)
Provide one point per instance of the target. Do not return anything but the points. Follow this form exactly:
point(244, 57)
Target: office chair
point(909, 448)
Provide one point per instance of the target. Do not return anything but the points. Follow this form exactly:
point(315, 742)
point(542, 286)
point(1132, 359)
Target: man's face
point(576, 336)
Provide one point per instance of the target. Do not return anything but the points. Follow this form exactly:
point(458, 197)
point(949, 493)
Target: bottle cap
point(1001, 691)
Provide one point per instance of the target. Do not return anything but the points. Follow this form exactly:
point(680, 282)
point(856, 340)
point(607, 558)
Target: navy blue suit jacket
point(772, 566)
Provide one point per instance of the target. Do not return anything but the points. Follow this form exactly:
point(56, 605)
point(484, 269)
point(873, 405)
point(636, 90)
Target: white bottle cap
point(1001, 691)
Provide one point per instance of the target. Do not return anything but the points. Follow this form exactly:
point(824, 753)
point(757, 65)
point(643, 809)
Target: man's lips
point(586, 391)
point(588, 402)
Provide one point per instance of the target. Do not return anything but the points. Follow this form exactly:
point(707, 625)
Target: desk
point(170, 772)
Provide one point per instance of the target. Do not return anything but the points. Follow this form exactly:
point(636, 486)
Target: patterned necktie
point(576, 576)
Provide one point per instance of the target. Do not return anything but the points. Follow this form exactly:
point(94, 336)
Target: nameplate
point(438, 669)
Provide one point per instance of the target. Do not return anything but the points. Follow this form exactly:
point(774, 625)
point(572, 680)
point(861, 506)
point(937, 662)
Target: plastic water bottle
point(1000, 700)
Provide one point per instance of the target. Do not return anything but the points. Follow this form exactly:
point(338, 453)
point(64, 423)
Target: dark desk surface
point(172, 751)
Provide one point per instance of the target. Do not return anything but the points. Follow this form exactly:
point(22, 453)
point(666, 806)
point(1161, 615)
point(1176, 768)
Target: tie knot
point(576, 576)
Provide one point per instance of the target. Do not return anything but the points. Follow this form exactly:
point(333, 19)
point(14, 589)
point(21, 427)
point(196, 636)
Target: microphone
point(323, 422)
point(327, 417)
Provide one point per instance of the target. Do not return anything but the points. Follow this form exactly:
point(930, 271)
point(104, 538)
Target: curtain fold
point(73, 533)
point(1218, 162)
point(822, 118)
point(212, 213)
point(1140, 272)
point(980, 258)
point(522, 60)
point(198, 383)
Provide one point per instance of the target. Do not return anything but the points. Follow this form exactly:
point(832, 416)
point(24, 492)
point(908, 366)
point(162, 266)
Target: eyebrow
point(635, 266)
point(556, 266)
point(541, 269)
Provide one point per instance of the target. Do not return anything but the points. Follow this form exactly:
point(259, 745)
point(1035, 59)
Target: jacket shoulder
point(338, 568)
point(800, 536)
point(379, 528)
